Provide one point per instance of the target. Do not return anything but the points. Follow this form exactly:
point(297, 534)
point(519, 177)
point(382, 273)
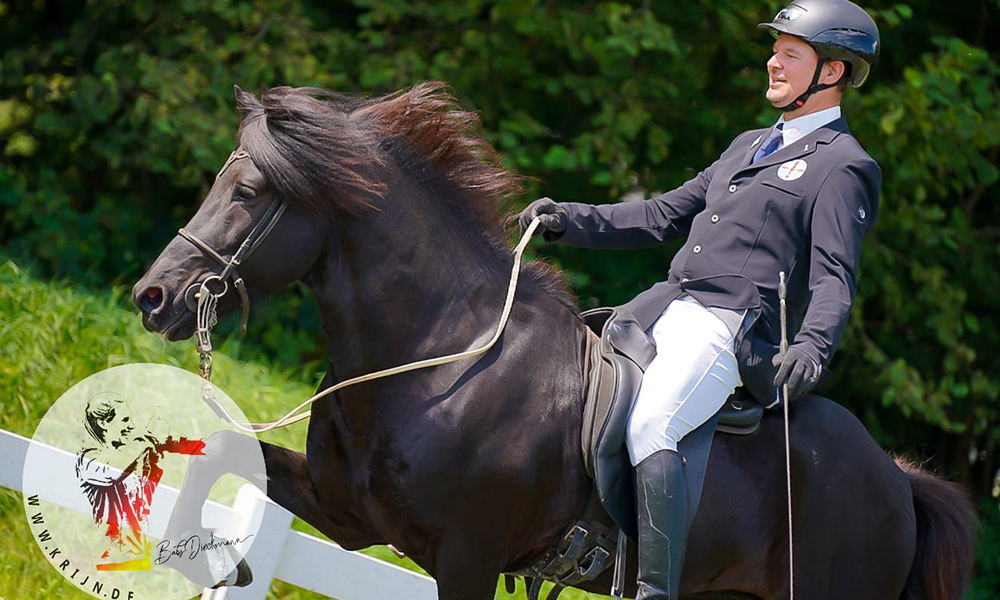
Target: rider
point(797, 197)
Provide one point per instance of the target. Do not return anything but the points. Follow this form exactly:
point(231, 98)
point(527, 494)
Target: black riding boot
point(662, 510)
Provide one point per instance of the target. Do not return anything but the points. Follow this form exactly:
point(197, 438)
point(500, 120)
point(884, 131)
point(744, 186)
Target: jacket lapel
point(803, 147)
point(764, 134)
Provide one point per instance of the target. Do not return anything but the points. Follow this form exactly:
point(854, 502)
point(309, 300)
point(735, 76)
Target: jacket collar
point(800, 127)
point(803, 147)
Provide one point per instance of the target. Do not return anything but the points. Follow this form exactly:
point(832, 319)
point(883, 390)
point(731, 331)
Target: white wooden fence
point(277, 552)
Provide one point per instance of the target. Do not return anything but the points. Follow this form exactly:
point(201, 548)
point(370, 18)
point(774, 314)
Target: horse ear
point(244, 100)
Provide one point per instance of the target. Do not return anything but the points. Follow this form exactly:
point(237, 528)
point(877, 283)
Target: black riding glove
point(552, 216)
point(797, 370)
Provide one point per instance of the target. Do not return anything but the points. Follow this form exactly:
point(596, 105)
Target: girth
point(583, 553)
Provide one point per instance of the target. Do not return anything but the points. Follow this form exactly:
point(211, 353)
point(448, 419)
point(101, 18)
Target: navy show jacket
point(803, 210)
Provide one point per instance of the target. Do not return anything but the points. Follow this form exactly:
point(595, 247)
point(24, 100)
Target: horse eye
point(245, 193)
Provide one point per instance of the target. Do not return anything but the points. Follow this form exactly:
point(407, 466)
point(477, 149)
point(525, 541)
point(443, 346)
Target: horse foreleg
point(291, 487)
point(285, 479)
point(283, 476)
point(224, 452)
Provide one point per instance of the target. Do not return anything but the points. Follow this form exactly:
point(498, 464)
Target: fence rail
point(278, 552)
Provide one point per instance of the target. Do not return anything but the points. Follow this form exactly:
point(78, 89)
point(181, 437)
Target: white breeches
point(694, 371)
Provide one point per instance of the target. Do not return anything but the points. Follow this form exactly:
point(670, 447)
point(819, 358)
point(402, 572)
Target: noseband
point(200, 298)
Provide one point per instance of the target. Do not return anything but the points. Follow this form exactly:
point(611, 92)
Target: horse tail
point(942, 566)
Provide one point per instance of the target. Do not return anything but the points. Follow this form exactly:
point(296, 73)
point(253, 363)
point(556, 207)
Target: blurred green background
point(115, 117)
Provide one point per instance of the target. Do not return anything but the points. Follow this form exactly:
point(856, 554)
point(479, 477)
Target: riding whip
point(788, 446)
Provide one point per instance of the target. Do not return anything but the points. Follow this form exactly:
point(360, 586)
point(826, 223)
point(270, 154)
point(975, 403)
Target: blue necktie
point(772, 143)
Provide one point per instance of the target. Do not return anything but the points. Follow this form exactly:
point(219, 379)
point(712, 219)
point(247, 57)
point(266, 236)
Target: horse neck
point(407, 280)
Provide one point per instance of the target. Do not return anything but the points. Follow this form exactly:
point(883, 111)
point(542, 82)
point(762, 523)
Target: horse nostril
point(150, 300)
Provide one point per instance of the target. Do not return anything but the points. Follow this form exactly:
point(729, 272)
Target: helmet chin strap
point(814, 87)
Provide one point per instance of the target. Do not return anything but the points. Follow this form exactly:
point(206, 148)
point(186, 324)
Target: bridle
point(201, 298)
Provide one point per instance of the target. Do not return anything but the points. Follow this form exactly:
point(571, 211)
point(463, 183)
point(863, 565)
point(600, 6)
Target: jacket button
point(732, 188)
point(696, 249)
point(715, 218)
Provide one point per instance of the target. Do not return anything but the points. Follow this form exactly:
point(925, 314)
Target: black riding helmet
point(836, 30)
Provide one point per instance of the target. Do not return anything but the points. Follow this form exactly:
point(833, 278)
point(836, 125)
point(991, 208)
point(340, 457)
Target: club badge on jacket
point(792, 170)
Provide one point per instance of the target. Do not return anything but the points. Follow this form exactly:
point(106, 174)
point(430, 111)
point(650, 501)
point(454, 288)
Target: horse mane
point(434, 129)
point(309, 148)
point(320, 147)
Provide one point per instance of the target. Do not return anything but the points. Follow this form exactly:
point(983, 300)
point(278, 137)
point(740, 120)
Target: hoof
point(241, 576)
point(227, 567)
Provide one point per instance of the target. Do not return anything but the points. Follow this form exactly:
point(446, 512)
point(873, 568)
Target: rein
point(207, 300)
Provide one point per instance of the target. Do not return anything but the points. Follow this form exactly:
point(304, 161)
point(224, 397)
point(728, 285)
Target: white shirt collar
point(796, 129)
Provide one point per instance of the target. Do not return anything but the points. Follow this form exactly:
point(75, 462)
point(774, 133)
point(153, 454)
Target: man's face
point(790, 70)
point(119, 428)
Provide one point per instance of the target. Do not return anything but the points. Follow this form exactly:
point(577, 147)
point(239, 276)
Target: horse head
point(387, 208)
point(261, 226)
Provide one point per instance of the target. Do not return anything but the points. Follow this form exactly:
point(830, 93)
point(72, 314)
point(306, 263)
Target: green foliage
point(987, 556)
point(926, 320)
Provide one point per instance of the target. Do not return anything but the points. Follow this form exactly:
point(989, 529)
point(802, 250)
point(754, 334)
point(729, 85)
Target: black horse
point(474, 468)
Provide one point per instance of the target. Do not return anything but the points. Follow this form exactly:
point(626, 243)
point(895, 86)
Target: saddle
point(615, 364)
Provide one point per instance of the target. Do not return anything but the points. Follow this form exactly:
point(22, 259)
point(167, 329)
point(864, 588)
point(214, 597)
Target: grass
point(53, 336)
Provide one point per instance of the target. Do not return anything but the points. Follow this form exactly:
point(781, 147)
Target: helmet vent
point(789, 13)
